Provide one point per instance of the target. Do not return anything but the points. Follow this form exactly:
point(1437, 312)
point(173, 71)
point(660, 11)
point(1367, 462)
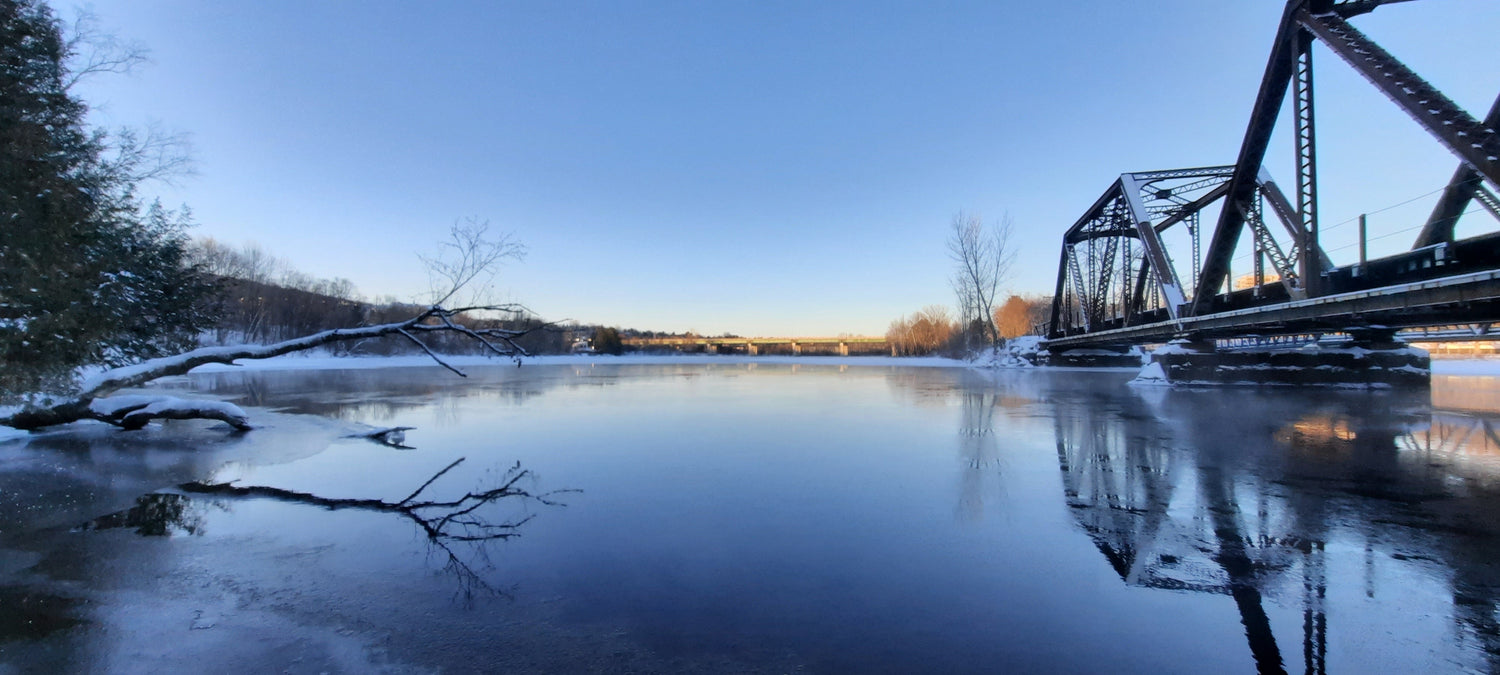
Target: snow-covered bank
point(298, 362)
point(1021, 352)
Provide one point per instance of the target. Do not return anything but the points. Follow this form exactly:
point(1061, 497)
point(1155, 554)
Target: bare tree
point(1039, 312)
point(982, 256)
point(922, 333)
point(469, 262)
point(477, 257)
point(139, 155)
point(90, 51)
point(149, 154)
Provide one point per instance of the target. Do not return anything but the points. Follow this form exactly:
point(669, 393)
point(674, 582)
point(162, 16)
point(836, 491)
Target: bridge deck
point(1440, 302)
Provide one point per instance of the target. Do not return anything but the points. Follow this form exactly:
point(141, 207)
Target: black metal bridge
point(1119, 281)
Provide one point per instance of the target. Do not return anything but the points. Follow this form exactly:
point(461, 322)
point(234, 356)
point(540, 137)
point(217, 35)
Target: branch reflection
point(463, 523)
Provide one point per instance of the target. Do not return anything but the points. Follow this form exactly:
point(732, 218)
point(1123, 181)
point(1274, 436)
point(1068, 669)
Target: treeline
point(250, 262)
point(926, 331)
point(933, 330)
point(262, 299)
point(1023, 315)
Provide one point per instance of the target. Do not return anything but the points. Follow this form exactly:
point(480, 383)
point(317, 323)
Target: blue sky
point(763, 168)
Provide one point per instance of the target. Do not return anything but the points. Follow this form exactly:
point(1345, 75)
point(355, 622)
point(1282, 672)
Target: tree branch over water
point(445, 522)
point(477, 257)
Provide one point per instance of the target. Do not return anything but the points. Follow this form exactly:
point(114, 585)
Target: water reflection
point(1188, 491)
point(71, 475)
point(31, 614)
point(155, 515)
point(380, 395)
point(779, 517)
point(979, 449)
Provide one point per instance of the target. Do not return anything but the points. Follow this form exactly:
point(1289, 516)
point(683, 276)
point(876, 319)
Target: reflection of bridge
point(843, 346)
point(1133, 269)
point(1164, 490)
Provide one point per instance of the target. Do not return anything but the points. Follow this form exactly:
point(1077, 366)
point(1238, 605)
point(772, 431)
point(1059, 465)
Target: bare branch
point(469, 261)
point(431, 353)
point(434, 477)
point(435, 525)
point(89, 50)
point(109, 381)
point(458, 524)
point(152, 154)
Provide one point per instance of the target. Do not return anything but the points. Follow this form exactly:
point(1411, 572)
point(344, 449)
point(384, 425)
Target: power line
point(1337, 225)
point(1383, 210)
point(1392, 234)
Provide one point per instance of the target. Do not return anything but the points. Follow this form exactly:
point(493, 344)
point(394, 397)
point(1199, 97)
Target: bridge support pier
point(752, 349)
point(843, 349)
point(796, 349)
point(1096, 357)
point(1372, 358)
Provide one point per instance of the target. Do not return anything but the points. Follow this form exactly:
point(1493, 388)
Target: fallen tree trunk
point(134, 412)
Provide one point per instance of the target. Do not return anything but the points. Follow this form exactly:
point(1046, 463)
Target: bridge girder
point(1096, 287)
point(1304, 21)
point(1142, 205)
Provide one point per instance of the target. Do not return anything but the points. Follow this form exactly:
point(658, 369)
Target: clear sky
point(762, 168)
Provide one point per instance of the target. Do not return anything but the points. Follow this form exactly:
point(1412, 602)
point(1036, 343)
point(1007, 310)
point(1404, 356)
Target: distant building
point(1245, 281)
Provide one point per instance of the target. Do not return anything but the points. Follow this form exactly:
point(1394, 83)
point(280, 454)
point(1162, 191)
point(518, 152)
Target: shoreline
point(324, 362)
point(1482, 366)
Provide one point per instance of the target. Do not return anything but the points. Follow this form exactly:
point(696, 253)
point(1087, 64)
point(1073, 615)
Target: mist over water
point(770, 517)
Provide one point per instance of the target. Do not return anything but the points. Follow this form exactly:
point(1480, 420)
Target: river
point(775, 517)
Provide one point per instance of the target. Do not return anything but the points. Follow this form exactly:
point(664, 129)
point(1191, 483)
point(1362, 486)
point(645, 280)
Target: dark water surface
point(769, 518)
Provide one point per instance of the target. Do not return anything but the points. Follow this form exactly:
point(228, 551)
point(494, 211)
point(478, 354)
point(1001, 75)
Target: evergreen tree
point(88, 273)
point(607, 341)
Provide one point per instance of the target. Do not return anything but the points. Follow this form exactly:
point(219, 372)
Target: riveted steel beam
point(1460, 191)
point(1242, 186)
point(1156, 254)
point(1307, 159)
point(1054, 325)
point(1474, 142)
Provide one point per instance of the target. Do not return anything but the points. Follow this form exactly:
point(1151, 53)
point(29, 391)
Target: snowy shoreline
point(1440, 366)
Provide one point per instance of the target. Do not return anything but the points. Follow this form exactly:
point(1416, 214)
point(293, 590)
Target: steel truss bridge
point(1118, 279)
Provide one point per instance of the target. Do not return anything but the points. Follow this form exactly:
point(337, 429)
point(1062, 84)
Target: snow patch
point(1021, 352)
point(1176, 347)
point(147, 407)
point(1151, 375)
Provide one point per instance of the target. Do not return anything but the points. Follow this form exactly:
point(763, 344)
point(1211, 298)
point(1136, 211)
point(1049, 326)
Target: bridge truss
point(1117, 281)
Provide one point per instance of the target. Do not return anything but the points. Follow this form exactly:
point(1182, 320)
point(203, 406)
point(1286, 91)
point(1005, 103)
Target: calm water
point(770, 518)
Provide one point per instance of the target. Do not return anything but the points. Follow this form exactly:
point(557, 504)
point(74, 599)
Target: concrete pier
point(1371, 359)
point(1096, 357)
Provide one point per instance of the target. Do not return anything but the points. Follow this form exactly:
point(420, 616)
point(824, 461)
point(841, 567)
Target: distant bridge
point(1134, 268)
point(796, 346)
